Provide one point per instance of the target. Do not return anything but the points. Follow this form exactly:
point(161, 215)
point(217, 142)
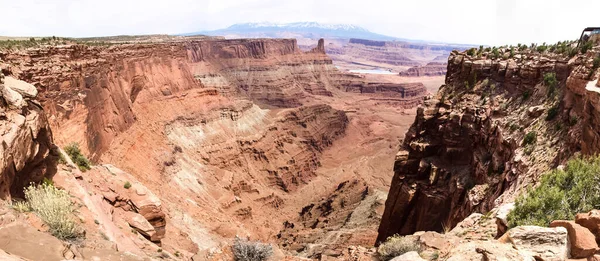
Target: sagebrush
point(560, 195)
point(244, 250)
point(54, 207)
point(77, 157)
point(395, 246)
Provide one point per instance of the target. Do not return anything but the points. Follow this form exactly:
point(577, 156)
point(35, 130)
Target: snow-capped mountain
point(299, 29)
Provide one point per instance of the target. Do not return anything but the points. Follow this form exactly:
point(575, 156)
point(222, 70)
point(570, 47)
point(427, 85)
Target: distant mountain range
point(295, 30)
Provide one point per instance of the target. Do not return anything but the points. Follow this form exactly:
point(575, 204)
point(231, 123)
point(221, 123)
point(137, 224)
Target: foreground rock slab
point(410, 256)
point(487, 250)
point(591, 221)
point(547, 244)
point(583, 243)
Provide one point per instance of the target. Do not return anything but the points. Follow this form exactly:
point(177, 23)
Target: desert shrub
point(496, 53)
point(513, 127)
point(522, 47)
point(552, 112)
point(587, 46)
point(595, 66)
point(395, 246)
point(530, 138)
point(77, 157)
point(472, 52)
point(54, 207)
point(560, 195)
point(551, 82)
point(61, 159)
point(526, 94)
point(542, 48)
point(573, 120)
point(244, 250)
point(127, 185)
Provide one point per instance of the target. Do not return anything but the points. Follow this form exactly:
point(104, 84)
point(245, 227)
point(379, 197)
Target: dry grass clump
point(54, 207)
point(244, 250)
point(396, 246)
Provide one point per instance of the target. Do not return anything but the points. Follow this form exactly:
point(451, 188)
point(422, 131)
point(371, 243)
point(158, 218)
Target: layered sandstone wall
point(27, 145)
point(430, 69)
point(465, 151)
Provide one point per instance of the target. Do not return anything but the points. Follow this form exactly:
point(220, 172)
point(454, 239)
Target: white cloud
point(465, 21)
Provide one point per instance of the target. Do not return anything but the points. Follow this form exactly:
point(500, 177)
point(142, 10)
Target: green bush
point(552, 112)
point(395, 246)
point(586, 47)
point(551, 82)
point(127, 185)
point(54, 207)
point(530, 138)
point(560, 195)
point(526, 94)
point(542, 48)
point(472, 52)
point(77, 157)
point(496, 53)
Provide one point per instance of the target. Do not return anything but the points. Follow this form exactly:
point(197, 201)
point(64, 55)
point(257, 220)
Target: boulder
point(25, 89)
point(583, 243)
point(501, 218)
point(591, 221)
point(13, 98)
point(542, 243)
point(139, 223)
point(487, 250)
point(535, 111)
point(409, 256)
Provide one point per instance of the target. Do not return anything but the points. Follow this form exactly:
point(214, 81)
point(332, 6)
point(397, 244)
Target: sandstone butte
point(196, 142)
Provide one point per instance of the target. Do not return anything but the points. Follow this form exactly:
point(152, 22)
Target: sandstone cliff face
point(430, 69)
point(466, 153)
point(25, 155)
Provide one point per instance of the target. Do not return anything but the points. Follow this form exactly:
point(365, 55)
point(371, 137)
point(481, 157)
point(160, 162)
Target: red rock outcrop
point(430, 69)
point(582, 241)
point(27, 140)
point(464, 152)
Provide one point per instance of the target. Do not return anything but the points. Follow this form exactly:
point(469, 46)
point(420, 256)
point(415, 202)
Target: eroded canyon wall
point(467, 152)
point(27, 153)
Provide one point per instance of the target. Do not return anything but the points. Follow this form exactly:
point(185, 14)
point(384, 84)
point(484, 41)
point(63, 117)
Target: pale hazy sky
point(492, 22)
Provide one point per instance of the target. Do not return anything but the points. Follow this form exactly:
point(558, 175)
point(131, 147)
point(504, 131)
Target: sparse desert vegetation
point(395, 246)
point(244, 250)
point(54, 207)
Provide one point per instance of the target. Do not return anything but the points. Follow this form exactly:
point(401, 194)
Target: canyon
point(217, 138)
point(196, 142)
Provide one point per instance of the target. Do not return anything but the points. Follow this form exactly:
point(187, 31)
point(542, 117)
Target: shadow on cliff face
point(43, 165)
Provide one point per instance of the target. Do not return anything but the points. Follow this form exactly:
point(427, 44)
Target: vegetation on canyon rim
point(561, 194)
point(53, 206)
point(396, 245)
point(561, 47)
point(77, 157)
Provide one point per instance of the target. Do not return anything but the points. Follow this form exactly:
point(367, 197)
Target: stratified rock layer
point(466, 153)
point(26, 138)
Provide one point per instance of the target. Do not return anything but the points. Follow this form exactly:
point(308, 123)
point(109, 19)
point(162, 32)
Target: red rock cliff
point(466, 153)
